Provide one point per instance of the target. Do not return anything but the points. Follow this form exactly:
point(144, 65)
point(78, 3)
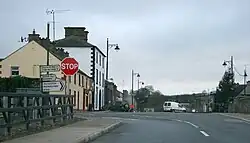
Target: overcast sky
point(177, 46)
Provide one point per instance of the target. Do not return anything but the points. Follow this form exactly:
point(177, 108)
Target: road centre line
point(191, 124)
point(204, 133)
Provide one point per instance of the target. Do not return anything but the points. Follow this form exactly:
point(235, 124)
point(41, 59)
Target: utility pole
point(132, 90)
point(107, 60)
point(245, 76)
point(48, 26)
point(232, 66)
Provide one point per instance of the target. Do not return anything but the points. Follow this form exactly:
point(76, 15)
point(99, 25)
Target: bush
point(10, 84)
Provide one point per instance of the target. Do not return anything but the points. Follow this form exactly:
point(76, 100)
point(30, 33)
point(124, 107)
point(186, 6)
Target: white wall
point(100, 68)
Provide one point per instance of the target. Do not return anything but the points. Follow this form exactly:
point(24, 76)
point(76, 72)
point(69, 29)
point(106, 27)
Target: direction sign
point(69, 66)
point(53, 86)
point(49, 77)
point(49, 68)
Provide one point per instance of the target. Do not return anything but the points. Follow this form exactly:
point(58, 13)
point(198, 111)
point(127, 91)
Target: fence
point(241, 104)
point(25, 109)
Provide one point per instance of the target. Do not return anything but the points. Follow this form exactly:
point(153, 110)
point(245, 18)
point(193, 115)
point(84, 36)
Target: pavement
point(80, 132)
point(175, 128)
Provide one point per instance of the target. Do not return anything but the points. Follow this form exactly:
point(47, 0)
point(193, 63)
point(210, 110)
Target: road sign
point(49, 68)
point(49, 77)
point(69, 66)
point(53, 86)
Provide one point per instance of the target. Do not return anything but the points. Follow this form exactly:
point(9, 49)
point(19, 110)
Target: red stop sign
point(69, 66)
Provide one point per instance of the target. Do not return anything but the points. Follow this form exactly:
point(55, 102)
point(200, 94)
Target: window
point(103, 82)
point(14, 70)
point(69, 91)
point(96, 97)
point(102, 62)
point(0, 66)
point(74, 98)
point(86, 82)
point(79, 78)
point(82, 81)
point(69, 79)
point(97, 57)
point(96, 76)
point(100, 76)
point(75, 79)
point(0, 72)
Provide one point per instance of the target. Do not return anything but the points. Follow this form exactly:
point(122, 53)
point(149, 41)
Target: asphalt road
point(175, 128)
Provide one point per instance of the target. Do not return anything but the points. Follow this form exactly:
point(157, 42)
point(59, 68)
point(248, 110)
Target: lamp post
point(109, 46)
point(231, 64)
point(132, 92)
point(245, 76)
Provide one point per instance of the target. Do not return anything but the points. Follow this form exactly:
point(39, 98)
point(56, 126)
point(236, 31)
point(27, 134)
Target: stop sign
point(69, 66)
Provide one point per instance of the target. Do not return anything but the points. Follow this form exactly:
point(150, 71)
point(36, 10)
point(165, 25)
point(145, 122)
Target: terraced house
point(25, 61)
point(93, 60)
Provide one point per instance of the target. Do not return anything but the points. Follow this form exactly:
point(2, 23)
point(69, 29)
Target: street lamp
point(132, 92)
point(245, 76)
point(231, 64)
point(109, 46)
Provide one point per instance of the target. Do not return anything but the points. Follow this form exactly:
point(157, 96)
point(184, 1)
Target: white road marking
point(117, 118)
point(178, 120)
point(191, 124)
point(204, 133)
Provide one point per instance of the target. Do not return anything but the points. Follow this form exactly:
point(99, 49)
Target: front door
point(100, 100)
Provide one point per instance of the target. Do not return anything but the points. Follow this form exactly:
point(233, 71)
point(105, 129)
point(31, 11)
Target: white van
point(170, 106)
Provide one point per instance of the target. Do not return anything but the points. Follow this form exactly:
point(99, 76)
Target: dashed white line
point(191, 124)
point(204, 133)
point(179, 120)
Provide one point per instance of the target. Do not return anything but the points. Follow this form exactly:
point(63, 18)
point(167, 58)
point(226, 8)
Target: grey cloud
point(177, 46)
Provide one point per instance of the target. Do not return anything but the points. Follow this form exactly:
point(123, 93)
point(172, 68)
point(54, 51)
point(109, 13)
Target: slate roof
point(238, 90)
point(75, 41)
point(72, 41)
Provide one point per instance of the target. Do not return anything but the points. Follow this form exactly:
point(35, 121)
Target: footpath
point(80, 132)
point(241, 116)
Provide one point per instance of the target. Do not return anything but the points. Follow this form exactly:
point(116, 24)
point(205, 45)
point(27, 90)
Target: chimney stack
point(34, 36)
point(77, 32)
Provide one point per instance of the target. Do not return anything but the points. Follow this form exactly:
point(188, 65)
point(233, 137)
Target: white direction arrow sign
point(49, 68)
point(49, 77)
point(53, 86)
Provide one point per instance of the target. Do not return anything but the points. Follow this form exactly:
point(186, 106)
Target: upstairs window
point(96, 57)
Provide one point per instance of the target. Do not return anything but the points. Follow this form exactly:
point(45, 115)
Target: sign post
point(48, 77)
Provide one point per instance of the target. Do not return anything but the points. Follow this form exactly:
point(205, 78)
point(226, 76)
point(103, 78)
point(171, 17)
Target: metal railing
point(24, 109)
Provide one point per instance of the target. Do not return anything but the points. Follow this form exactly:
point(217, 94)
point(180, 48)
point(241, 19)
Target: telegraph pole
point(48, 26)
point(132, 90)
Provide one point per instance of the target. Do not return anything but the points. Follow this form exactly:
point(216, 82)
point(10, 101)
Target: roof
point(72, 41)
point(238, 90)
point(82, 72)
point(75, 41)
point(58, 53)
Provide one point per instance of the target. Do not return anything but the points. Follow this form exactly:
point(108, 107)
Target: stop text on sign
point(69, 66)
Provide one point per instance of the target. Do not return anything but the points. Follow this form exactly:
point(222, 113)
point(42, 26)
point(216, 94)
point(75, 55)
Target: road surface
point(175, 128)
